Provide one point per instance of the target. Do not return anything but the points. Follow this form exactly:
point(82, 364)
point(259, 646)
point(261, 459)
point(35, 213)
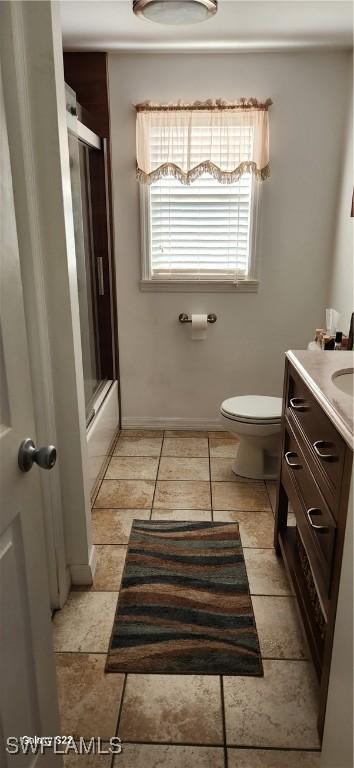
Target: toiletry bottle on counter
point(338, 341)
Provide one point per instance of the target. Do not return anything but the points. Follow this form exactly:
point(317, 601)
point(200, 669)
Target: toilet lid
point(253, 408)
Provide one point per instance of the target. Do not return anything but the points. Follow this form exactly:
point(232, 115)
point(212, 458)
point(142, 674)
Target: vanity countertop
point(317, 369)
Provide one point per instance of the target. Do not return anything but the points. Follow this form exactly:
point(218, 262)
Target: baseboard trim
point(83, 574)
point(139, 422)
point(64, 587)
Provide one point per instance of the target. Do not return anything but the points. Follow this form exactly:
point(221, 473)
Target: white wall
point(164, 375)
point(341, 292)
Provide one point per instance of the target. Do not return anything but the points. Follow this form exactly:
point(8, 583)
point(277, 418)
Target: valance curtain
point(223, 139)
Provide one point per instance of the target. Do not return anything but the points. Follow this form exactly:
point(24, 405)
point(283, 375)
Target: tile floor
point(185, 721)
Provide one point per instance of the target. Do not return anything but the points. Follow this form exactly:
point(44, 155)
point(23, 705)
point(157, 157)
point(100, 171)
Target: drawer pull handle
point(288, 456)
point(298, 404)
point(318, 528)
point(324, 456)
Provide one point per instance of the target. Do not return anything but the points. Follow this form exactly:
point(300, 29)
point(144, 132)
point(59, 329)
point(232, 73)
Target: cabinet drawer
point(313, 516)
point(322, 440)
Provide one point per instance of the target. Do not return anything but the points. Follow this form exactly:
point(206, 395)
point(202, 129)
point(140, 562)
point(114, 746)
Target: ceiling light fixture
point(175, 11)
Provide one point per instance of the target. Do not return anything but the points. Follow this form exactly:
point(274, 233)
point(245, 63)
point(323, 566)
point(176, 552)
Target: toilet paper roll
point(199, 327)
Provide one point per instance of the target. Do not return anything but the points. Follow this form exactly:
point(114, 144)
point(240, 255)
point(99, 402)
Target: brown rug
point(184, 605)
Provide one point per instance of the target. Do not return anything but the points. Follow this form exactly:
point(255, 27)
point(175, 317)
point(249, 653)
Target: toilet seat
point(253, 409)
point(240, 420)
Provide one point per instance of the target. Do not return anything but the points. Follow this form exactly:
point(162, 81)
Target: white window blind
point(201, 230)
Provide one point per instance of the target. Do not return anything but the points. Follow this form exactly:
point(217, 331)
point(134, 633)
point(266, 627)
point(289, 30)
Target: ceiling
point(251, 25)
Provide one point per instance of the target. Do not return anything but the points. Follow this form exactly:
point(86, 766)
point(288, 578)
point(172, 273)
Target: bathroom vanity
point(315, 477)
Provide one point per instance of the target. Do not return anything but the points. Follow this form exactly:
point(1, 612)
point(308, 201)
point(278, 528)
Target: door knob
point(45, 457)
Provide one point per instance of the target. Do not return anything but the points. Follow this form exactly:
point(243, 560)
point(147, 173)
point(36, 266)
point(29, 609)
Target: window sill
point(199, 286)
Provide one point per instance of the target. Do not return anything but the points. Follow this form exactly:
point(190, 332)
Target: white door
point(28, 697)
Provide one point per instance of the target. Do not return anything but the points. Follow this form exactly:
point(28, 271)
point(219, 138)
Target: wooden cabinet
point(314, 480)
point(323, 445)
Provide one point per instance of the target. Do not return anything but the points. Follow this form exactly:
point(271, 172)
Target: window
point(205, 231)
point(199, 168)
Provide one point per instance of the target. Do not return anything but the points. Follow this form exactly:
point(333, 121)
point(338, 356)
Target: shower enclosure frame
point(103, 410)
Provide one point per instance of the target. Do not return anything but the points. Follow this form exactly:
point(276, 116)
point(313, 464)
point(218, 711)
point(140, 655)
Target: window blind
point(201, 230)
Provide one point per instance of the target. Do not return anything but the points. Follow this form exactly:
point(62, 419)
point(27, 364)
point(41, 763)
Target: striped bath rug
point(184, 605)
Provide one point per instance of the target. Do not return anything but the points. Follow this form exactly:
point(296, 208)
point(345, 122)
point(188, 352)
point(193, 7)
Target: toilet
point(255, 420)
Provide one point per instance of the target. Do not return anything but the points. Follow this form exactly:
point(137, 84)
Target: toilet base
point(258, 457)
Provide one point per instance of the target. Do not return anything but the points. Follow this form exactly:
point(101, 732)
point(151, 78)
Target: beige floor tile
point(266, 572)
point(252, 497)
point(88, 699)
point(132, 468)
point(125, 494)
point(272, 492)
point(172, 468)
point(179, 494)
point(221, 470)
point(165, 756)
point(270, 758)
point(85, 623)
point(177, 708)
point(279, 628)
point(88, 761)
point(185, 433)
point(256, 528)
point(219, 433)
point(142, 433)
point(223, 447)
point(277, 710)
point(109, 568)
point(112, 526)
point(185, 446)
point(182, 514)
point(138, 446)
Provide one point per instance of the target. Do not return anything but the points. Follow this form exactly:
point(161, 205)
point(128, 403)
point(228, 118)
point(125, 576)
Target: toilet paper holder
point(184, 318)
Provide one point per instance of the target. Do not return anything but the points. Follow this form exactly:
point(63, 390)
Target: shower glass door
point(87, 272)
